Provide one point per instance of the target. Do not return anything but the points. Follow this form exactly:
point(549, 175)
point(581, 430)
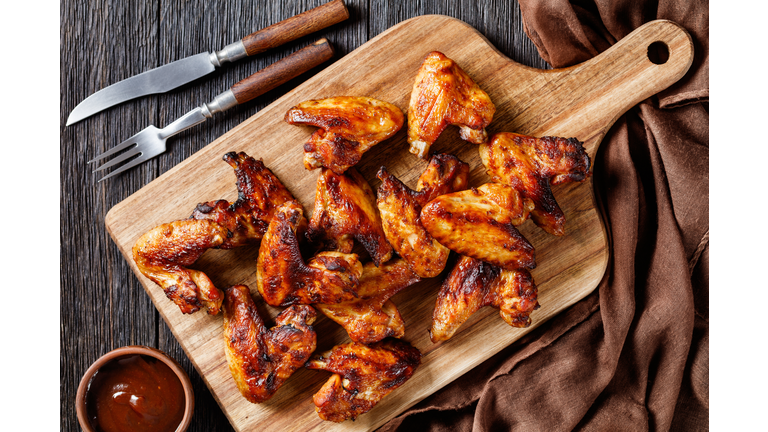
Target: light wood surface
point(582, 101)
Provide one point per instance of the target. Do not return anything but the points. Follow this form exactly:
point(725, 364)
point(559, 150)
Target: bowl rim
point(186, 383)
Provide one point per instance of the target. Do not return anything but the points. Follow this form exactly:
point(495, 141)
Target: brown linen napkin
point(633, 355)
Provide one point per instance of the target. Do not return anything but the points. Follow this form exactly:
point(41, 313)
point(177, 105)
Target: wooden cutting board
point(582, 101)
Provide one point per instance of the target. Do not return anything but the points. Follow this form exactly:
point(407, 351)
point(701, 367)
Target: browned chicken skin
point(261, 359)
point(363, 375)
point(400, 209)
point(474, 284)
point(530, 164)
point(283, 278)
point(373, 317)
point(443, 95)
point(480, 223)
point(260, 192)
point(345, 210)
point(349, 126)
point(164, 253)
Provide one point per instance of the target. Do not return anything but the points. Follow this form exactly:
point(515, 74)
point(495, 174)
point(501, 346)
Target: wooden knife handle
point(296, 27)
point(281, 71)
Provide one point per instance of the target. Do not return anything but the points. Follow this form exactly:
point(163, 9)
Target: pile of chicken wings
point(408, 234)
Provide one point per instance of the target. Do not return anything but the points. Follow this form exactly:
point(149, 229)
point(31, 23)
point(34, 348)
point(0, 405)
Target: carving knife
point(180, 72)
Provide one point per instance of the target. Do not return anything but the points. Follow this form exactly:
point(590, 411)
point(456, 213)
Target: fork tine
point(141, 159)
point(122, 158)
point(120, 147)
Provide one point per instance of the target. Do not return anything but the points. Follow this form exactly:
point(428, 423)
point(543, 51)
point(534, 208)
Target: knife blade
point(172, 75)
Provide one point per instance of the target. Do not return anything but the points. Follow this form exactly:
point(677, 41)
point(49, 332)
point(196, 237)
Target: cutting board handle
point(595, 93)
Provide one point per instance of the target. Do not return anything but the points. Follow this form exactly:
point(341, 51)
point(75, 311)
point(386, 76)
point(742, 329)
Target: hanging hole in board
point(658, 53)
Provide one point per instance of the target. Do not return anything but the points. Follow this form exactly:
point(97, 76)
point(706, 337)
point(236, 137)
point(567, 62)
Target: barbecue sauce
point(135, 393)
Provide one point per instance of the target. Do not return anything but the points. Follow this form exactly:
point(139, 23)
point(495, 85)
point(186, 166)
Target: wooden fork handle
point(282, 71)
point(295, 27)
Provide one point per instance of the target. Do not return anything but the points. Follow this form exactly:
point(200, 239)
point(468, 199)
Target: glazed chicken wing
point(480, 223)
point(349, 126)
point(260, 192)
point(474, 284)
point(443, 95)
point(283, 278)
point(400, 209)
point(530, 164)
point(345, 210)
point(165, 252)
point(363, 375)
point(261, 359)
point(373, 317)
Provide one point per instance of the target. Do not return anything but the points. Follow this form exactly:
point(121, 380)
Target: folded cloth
point(634, 354)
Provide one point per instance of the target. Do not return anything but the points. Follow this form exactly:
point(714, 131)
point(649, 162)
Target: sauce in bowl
point(135, 393)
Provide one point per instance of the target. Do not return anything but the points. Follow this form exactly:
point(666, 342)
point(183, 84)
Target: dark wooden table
point(103, 306)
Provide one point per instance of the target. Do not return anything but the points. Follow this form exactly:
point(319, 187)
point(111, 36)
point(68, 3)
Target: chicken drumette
point(474, 284)
point(373, 317)
point(164, 253)
point(530, 165)
point(400, 209)
point(443, 95)
point(283, 278)
point(363, 375)
point(349, 126)
point(261, 359)
point(345, 210)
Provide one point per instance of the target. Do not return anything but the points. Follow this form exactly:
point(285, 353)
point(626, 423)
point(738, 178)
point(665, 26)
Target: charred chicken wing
point(480, 223)
point(349, 126)
point(373, 317)
point(530, 164)
point(474, 284)
point(283, 278)
point(443, 95)
point(400, 209)
point(345, 210)
point(363, 375)
point(261, 359)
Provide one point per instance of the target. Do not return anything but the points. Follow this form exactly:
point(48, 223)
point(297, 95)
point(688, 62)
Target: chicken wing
point(260, 192)
point(373, 317)
point(474, 284)
point(261, 359)
point(400, 209)
point(363, 375)
point(283, 278)
point(349, 126)
point(530, 164)
point(480, 223)
point(443, 95)
point(345, 210)
point(163, 254)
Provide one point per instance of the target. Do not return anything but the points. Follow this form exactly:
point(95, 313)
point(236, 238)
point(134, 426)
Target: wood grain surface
point(581, 101)
point(103, 306)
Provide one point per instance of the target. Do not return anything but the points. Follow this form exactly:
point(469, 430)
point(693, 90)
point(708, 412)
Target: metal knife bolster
point(230, 53)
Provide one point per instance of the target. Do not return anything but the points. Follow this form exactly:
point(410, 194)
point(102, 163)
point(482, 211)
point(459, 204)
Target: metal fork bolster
point(232, 52)
point(221, 102)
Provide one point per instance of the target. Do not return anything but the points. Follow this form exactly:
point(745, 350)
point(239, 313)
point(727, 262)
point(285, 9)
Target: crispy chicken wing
point(349, 126)
point(443, 95)
point(363, 375)
point(284, 279)
point(260, 192)
point(261, 359)
point(474, 284)
point(530, 164)
point(480, 223)
point(345, 210)
point(164, 253)
point(400, 209)
point(373, 317)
